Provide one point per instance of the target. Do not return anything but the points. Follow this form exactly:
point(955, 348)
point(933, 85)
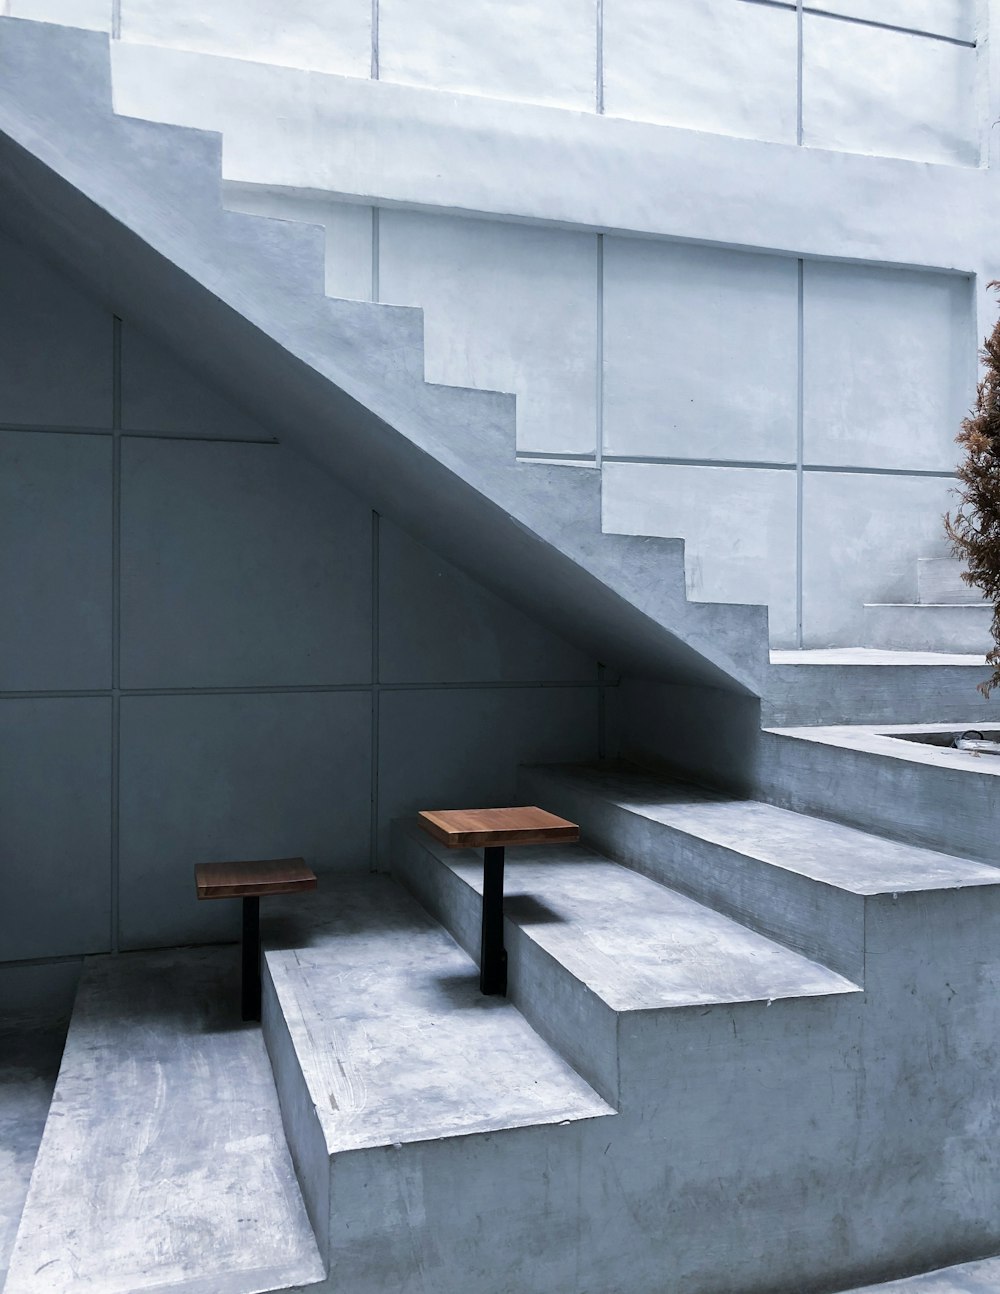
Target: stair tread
point(636, 943)
point(163, 1164)
point(982, 1277)
point(824, 851)
point(394, 1040)
point(872, 656)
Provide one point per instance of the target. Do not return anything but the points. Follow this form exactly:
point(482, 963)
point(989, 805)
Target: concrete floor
point(29, 1063)
point(163, 1164)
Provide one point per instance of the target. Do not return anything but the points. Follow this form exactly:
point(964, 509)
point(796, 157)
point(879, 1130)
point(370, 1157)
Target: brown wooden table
point(251, 881)
point(493, 830)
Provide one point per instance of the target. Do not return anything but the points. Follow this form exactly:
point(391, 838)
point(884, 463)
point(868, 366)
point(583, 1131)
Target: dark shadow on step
point(526, 910)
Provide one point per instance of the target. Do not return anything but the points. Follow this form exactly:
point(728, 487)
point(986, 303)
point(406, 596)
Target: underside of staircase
point(749, 1044)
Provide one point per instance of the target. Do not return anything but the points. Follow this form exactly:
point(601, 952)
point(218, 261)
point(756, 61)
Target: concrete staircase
point(744, 1050)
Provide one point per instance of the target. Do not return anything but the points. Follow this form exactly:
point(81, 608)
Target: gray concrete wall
point(210, 650)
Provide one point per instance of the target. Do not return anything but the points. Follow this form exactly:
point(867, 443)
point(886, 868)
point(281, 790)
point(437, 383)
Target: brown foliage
point(974, 530)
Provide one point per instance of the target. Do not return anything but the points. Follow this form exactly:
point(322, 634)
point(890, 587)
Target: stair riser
point(824, 923)
point(953, 810)
point(963, 629)
point(298, 1114)
point(561, 1009)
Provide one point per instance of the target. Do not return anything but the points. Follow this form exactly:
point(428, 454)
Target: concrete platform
point(401, 1085)
point(163, 1166)
point(865, 685)
point(29, 1063)
point(926, 626)
point(799, 879)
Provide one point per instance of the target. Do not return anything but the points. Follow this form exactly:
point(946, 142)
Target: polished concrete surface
point(163, 1164)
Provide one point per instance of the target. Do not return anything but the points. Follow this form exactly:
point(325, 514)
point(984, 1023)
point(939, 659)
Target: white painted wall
point(740, 271)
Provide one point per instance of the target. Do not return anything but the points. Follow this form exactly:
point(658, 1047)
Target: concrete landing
point(163, 1166)
point(29, 1063)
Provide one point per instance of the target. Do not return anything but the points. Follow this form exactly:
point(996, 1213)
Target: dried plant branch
point(974, 530)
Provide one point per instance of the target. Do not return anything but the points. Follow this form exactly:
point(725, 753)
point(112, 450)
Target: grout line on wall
point(799, 60)
point(375, 39)
point(858, 21)
point(799, 449)
point(749, 464)
point(116, 19)
point(602, 719)
point(376, 248)
point(599, 52)
point(599, 430)
point(116, 548)
point(319, 689)
point(43, 961)
point(376, 644)
point(136, 433)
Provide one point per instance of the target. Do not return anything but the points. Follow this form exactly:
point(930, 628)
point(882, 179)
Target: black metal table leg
point(251, 958)
point(492, 954)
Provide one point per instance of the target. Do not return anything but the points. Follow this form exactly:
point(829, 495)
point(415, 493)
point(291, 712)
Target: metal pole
point(251, 958)
point(492, 954)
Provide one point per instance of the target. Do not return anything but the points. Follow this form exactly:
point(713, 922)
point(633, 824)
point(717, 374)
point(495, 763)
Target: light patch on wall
point(699, 352)
point(535, 51)
point(715, 65)
point(738, 525)
point(92, 14)
point(868, 90)
point(889, 366)
point(507, 307)
point(322, 35)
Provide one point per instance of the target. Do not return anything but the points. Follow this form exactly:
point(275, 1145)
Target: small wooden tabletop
point(245, 880)
point(470, 828)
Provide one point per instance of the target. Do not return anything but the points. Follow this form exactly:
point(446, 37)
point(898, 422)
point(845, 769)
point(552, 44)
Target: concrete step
point(943, 627)
point(418, 1111)
point(846, 685)
point(802, 880)
point(939, 580)
point(726, 1092)
point(591, 941)
point(864, 776)
point(162, 1165)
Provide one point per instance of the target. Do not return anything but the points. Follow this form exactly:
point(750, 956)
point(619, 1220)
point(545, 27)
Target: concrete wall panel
point(325, 35)
point(538, 51)
point(93, 14)
point(507, 307)
point(55, 561)
point(241, 567)
point(861, 537)
point(159, 393)
point(699, 352)
point(738, 524)
point(210, 778)
point(55, 346)
point(889, 366)
point(437, 625)
point(455, 748)
point(55, 826)
point(348, 228)
point(869, 90)
point(715, 65)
